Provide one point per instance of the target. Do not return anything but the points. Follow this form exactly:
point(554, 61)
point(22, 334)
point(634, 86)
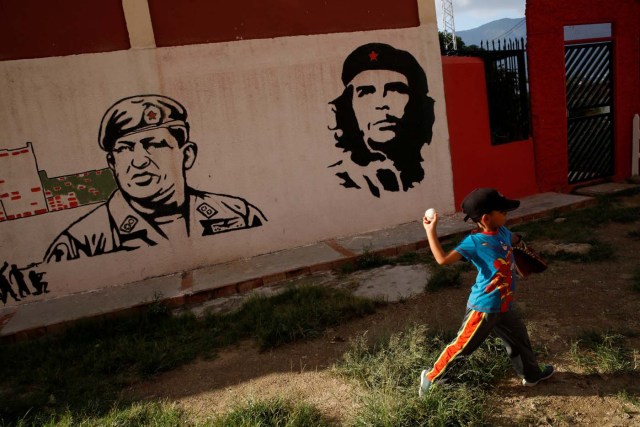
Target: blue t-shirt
point(491, 253)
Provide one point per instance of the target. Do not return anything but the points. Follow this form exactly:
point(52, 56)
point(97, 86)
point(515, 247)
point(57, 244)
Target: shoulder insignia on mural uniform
point(128, 224)
point(206, 210)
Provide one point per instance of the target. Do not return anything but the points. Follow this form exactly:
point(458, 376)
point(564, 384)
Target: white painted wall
point(259, 113)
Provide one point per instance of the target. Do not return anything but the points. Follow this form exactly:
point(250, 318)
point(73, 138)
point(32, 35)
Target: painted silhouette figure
point(146, 140)
point(5, 286)
point(383, 119)
point(38, 284)
point(16, 276)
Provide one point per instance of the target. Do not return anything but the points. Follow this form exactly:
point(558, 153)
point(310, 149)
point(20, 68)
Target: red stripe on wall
point(36, 28)
point(205, 21)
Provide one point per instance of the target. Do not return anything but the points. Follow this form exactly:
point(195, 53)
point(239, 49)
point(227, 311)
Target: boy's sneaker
point(547, 372)
point(424, 384)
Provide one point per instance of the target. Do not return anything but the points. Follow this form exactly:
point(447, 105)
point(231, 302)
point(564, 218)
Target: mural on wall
point(383, 118)
point(27, 191)
point(16, 276)
point(143, 196)
point(146, 138)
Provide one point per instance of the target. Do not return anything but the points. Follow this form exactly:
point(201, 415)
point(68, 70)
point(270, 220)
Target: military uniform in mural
point(375, 176)
point(148, 149)
point(115, 226)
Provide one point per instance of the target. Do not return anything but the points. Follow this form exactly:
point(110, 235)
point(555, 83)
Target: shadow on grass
point(82, 371)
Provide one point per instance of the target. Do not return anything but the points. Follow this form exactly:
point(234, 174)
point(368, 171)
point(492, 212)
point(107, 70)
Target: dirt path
point(558, 305)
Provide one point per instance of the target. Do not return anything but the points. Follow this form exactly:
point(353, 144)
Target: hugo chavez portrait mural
point(383, 118)
point(148, 149)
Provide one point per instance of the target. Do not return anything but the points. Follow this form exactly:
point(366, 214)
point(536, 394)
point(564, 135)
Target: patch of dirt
point(557, 305)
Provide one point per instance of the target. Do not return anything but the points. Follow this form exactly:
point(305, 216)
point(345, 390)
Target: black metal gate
point(589, 83)
point(507, 88)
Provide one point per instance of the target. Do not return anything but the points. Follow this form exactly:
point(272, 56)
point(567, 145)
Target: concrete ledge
point(606, 188)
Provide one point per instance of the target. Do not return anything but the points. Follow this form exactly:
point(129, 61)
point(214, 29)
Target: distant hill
point(505, 28)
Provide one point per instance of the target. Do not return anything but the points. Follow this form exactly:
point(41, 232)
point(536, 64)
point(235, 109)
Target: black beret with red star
point(381, 56)
point(138, 114)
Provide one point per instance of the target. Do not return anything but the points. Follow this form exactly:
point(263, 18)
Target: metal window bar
point(589, 90)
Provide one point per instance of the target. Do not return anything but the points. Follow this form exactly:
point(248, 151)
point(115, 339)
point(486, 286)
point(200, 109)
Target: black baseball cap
point(485, 200)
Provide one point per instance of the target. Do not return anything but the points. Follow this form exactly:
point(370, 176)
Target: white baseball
point(430, 214)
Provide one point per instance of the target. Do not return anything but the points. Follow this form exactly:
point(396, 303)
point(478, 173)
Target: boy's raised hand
point(430, 224)
point(440, 256)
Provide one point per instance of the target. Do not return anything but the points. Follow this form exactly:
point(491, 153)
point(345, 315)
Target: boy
point(489, 248)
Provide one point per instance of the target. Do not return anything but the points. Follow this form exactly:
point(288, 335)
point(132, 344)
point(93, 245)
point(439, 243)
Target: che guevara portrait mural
point(383, 118)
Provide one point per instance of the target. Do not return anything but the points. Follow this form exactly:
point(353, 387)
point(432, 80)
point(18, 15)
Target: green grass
point(629, 398)
point(635, 280)
point(598, 252)
point(160, 414)
point(603, 353)
point(298, 313)
point(389, 372)
point(369, 260)
point(578, 227)
point(459, 406)
point(445, 277)
point(579, 224)
point(272, 412)
point(83, 370)
point(366, 261)
point(413, 257)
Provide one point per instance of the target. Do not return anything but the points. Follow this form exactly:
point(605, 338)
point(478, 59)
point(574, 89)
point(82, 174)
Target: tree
point(442, 38)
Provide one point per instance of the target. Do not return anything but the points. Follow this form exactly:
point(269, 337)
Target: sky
point(469, 14)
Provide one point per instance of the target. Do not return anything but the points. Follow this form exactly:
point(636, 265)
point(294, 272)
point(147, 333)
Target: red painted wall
point(42, 28)
point(204, 21)
point(39, 28)
point(475, 162)
point(545, 49)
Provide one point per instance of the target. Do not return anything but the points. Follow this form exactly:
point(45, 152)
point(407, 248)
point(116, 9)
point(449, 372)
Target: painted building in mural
point(21, 193)
point(25, 190)
point(169, 145)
